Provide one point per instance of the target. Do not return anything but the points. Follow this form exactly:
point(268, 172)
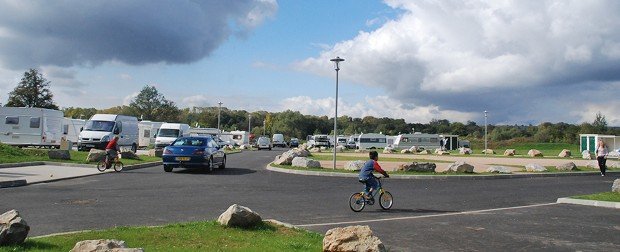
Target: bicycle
point(105, 164)
point(357, 201)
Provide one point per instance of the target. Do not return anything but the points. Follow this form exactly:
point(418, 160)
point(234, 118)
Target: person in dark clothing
point(367, 177)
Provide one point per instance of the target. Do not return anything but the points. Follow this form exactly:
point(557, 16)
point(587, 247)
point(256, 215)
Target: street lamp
point(264, 126)
point(219, 114)
point(485, 132)
point(336, 61)
point(250, 123)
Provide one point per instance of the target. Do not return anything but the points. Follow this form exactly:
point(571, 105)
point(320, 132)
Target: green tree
point(600, 123)
point(32, 91)
point(152, 105)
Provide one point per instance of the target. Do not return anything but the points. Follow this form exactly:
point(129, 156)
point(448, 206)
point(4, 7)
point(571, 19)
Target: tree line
point(150, 104)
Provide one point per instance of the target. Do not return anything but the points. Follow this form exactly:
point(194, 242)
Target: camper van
point(71, 128)
point(146, 132)
point(278, 140)
point(31, 126)
point(371, 141)
point(420, 140)
point(168, 132)
point(318, 141)
point(101, 128)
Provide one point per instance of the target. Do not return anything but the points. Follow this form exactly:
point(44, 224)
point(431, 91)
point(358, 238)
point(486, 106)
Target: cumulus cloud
point(472, 56)
point(379, 106)
point(197, 101)
point(70, 33)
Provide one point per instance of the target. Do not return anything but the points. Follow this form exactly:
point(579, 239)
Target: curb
point(23, 182)
point(595, 203)
point(443, 177)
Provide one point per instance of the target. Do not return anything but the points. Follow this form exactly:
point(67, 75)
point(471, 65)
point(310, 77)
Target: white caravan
point(240, 137)
point(420, 140)
point(318, 141)
point(71, 128)
point(168, 132)
point(31, 126)
point(146, 132)
point(371, 141)
point(101, 128)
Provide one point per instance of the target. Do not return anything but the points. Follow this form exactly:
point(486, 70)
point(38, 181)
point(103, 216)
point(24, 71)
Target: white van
point(168, 132)
point(101, 128)
point(278, 140)
point(146, 133)
point(22, 126)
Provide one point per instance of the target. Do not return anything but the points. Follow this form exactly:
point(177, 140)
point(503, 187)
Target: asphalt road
point(428, 215)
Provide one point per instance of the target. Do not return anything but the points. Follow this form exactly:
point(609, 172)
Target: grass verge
point(604, 196)
point(364, 156)
point(356, 172)
point(10, 154)
point(191, 236)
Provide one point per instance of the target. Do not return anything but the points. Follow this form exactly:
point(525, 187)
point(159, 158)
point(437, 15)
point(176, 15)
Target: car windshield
point(168, 133)
point(106, 126)
point(190, 142)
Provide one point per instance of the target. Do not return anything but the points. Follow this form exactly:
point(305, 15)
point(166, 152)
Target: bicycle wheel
point(101, 165)
point(357, 202)
point(118, 166)
point(386, 200)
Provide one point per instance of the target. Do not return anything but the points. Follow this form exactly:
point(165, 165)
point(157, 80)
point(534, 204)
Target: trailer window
point(65, 129)
point(237, 137)
point(35, 122)
point(147, 133)
point(11, 120)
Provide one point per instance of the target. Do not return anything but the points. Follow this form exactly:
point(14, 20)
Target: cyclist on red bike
point(111, 150)
point(367, 177)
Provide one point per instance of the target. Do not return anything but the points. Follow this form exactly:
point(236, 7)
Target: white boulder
point(352, 238)
point(616, 186)
point(510, 152)
point(564, 153)
point(354, 165)
point(499, 169)
point(460, 166)
point(570, 166)
point(305, 162)
point(534, 153)
point(103, 245)
point(535, 168)
point(585, 154)
point(239, 216)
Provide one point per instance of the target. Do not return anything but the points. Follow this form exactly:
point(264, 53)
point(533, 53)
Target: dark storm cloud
point(67, 33)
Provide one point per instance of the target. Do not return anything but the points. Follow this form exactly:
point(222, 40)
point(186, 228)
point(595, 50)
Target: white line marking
point(425, 216)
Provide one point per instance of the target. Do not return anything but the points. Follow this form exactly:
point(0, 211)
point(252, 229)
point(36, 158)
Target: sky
point(523, 61)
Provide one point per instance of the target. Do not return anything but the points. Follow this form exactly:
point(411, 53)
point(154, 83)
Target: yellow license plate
point(182, 158)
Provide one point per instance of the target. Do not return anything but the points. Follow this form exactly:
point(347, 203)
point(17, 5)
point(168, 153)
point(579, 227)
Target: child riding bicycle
point(367, 177)
point(111, 151)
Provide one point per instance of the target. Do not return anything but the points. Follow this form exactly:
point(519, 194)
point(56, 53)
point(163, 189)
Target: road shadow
point(423, 211)
point(216, 172)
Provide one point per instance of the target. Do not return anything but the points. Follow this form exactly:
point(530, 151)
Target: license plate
point(89, 145)
point(182, 158)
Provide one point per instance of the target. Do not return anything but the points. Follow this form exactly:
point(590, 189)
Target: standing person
point(111, 150)
point(601, 156)
point(366, 175)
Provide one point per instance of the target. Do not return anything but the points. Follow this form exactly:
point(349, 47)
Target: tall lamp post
point(250, 123)
point(219, 114)
point(336, 61)
point(485, 132)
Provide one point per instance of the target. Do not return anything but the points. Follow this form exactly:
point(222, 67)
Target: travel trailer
point(168, 132)
point(420, 140)
point(101, 128)
point(240, 137)
point(23, 126)
point(71, 128)
point(147, 131)
point(371, 141)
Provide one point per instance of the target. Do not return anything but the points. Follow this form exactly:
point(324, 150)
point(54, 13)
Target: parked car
point(294, 142)
point(263, 143)
point(193, 152)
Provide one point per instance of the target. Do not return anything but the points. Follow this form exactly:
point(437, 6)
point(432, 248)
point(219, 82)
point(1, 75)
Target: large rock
point(425, 152)
point(301, 152)
point(465, 151)
point(498, 169)
point(443, 153)
point(585, 154)
point(353, 239)
point(388, 150)
point(488, 151)
point(354, 165)
point(419, 167)
point(535, 168)
point(315, 150)
point(570, 166)
point(305, 162)
point(534, 153)
point(13, 229)
point(95, 155)
point(340, 148)
point(239, 216)
point(405, 151)
point(59, 154)
point(414, 149)
point(616, 186)
point(103, 246)
point(510, 152)
point(460, 166)
point(129, 155)
point(156, 152)
point(287, 157)
point(564, 153)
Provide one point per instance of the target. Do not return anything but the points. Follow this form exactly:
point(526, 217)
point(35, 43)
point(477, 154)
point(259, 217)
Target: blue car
point(194, 152)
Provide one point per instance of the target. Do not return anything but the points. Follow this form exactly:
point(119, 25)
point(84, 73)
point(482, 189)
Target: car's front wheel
point(167, 168)
point(223, 164)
